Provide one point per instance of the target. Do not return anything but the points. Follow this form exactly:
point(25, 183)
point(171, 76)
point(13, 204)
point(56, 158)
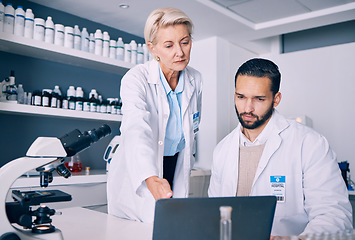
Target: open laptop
point(199, 218)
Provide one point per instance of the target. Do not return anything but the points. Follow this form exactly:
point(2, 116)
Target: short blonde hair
point(163, 17)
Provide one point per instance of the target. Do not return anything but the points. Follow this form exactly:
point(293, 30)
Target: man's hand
point(159, 187)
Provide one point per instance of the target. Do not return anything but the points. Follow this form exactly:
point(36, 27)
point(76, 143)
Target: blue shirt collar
point(180, 86)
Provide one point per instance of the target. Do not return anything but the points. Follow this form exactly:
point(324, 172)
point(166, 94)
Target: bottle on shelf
point(140, 54)
point(2, 16)
point(54, 100)
point(93, 103)
point(112, 51)
point(98, 103)
point(71, 97)
point(49, 31)
point(59, 34)
point(91, 43)
point(79, 99)
point(86, 105)
point(19, 24)
point(9, 19)
point(98, 42)
point(77, 38)
point(84, 40)
point(20, 94)
point(133, 45)
point(120, 49)
point(46, 97)
point(145, 53)
point(65, 102)
point(37, 98)
point(105, 44)
point(38, 30)
point(29, 23)
point(68, 37)
point(127, 52)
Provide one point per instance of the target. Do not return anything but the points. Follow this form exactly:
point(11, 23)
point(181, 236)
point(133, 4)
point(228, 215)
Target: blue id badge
point(195, 121)
point(278, 186)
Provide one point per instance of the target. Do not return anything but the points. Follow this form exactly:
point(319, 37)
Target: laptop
point(199, 218)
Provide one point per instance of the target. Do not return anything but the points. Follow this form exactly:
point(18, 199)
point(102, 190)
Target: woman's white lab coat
point(140, 154)
point(316, 198)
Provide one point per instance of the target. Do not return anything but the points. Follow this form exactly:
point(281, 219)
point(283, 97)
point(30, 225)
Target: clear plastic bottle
point(29, 23)
point(106, 44)
point(9, 19)
point(133, 45)
point(225, 227)
point(112, 53)
point(2, 16)
point(49, 31)
point(119, 49)
point(145, 53)
point(19, 24)
point(91, 43)
point(57, 91)
point(98, 42)
point(127, 52)
point(140, 54)
point(71, 97)
point(20, 94)
point(84, 40)
point(77, 38)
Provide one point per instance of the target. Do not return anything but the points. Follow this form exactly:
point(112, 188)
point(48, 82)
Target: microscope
point(8, 89)
point(45, 155)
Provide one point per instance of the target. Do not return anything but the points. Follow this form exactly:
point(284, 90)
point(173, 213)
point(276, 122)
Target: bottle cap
point(225, 211)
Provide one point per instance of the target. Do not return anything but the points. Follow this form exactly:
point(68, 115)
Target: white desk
point(80, 223)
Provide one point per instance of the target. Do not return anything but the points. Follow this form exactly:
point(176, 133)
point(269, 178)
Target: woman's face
point(173, 46)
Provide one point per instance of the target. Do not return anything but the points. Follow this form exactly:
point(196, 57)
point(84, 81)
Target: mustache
point(248, 113)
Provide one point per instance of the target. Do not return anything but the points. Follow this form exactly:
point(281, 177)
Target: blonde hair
point(163, 17)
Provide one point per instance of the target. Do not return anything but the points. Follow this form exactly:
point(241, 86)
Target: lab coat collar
point(273, 143)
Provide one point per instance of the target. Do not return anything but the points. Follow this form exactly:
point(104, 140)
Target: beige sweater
point(249, 158)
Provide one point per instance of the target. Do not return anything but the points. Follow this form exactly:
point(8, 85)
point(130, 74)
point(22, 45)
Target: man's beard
point(259, 120)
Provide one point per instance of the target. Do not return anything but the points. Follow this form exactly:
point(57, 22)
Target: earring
point(157, 58)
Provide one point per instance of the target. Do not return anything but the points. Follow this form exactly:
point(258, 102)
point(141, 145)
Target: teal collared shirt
point(174, 135)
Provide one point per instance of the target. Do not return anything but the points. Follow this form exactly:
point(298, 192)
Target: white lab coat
point(316, 195)
point(140, 154)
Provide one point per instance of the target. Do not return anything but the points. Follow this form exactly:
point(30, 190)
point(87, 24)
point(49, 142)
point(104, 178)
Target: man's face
point(254, 101)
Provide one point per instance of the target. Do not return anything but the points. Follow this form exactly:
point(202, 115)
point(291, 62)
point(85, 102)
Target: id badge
point(195, 121)
point(278, 187)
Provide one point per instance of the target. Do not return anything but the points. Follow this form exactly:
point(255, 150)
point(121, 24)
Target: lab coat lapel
point(272, 144)
point(154, 78)
point(188, 91)
point(230, 187)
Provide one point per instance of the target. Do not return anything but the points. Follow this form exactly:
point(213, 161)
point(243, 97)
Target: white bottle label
point(19, 25)
point(29, 27)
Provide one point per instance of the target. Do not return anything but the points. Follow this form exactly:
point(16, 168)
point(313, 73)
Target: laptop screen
point(199, 218)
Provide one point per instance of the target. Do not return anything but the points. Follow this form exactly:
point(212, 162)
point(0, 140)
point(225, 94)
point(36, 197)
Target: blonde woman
point(161, 114)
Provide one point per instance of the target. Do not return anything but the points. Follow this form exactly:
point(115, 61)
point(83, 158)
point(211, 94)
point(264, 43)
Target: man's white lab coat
point(316, 198)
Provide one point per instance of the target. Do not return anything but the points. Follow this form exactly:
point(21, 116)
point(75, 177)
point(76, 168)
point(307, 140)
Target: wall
point(320, 83)
point(218, 61)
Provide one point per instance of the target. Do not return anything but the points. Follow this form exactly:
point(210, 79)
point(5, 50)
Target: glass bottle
point(225, 223)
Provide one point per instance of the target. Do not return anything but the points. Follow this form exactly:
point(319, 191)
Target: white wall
point(218, 61)
point(320, 83)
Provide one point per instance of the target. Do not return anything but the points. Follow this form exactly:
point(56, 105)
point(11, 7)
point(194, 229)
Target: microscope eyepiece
point(75, 141)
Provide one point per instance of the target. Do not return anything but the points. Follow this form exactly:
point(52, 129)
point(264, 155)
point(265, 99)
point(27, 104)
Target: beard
point(259, 120)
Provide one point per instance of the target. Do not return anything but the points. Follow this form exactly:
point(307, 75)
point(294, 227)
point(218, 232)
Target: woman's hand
point(159, 187)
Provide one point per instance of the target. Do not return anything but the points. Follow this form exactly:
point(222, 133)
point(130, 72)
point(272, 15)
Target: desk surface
point(80, 223)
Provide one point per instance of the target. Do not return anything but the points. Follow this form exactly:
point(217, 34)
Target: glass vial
point(225, 226)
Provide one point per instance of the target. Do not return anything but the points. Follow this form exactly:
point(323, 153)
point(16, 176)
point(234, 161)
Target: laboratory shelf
point(30, 110)
point(47, 51)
